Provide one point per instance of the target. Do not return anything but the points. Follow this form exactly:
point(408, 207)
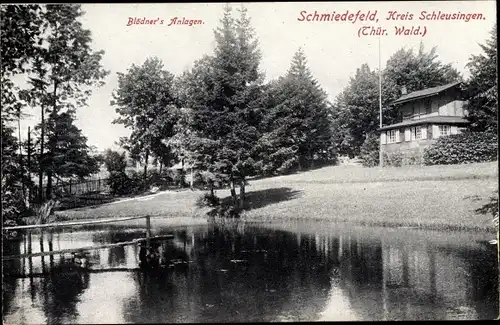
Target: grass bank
point(434, 197)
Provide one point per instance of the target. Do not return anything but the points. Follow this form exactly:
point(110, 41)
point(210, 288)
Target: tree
point(20, 35)
point(12, 175)
point(481, 88)
point(114, 161)
point(20, 29)
point(414, 72)
point(357, 111)
point(223, 95)
point(146, 105)
point(62, 75)
point(69, 155)
point(296, 124)
point(116, 164)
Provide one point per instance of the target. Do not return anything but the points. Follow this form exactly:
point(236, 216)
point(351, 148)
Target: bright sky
point(333, 48)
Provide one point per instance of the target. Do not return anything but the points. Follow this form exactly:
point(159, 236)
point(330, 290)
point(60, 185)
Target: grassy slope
point(435, 197)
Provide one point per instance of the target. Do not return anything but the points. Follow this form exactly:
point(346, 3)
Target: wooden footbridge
point(146, 239)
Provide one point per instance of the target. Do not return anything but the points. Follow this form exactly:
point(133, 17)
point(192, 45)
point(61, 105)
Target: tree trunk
point(242, 193)
point(49, 185)
point(183, 174)
point(146, 160)
point(23, 188)
point(191, 180)
point(161, 166)
point(233, 193)
point(28, 201)
point(40, 170)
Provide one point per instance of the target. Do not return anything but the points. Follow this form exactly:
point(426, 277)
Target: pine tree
point(297, 126)
point(223, 98)
point(482, 87)
point(357, 110)
point(68, 155)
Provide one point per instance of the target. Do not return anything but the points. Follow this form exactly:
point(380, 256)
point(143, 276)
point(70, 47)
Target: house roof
point(428, 120)
point(424, 93)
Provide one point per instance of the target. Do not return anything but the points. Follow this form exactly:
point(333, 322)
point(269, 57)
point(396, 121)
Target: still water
point(290, 271)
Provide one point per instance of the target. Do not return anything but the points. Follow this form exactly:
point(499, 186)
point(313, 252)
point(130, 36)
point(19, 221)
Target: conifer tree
point(297, 127)
point(223, 94)
point(482, 87)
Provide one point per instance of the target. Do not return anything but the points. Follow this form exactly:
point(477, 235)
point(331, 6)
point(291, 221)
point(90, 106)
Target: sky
point(334, 49)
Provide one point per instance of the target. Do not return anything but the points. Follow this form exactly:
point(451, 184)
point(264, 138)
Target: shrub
point(412, 157)
point(369, 154)
point(467, 147)
point(179, 177)
point(225, 211)
point(393, 159)
point(207, 200)
point(119, 183)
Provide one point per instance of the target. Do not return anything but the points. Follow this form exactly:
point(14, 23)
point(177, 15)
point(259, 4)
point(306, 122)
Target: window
point(416, 133)
point(391, 136)
point(444, 130)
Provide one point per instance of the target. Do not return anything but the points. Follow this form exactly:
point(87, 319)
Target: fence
point(74, 188)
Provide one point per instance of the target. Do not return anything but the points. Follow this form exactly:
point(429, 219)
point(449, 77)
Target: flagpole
point(381, 157)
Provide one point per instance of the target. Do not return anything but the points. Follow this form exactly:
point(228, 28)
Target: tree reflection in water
point(237, 276)
point(242, 272)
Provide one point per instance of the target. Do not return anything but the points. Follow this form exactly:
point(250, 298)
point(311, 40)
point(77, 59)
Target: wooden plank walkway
point(73, 223)
point(87, 270)
point(88, 248)
point(147, 239)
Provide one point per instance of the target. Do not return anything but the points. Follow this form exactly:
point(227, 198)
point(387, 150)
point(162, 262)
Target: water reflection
point(251, 273)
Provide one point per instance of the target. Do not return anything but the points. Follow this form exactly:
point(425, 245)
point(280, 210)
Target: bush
point(412, 157)
point(369, 154)
point(179, 177)
point(393, 159)
point(467, 147)
point(207, 200)
point(119, 183)
point(225, 211)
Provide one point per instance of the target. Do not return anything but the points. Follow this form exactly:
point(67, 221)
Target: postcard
point(249, 162)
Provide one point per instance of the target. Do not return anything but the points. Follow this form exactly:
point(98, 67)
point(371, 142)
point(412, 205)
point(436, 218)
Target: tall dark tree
point(226, 117)
point(482, 87)
point(297, 125)
point(70, 156)
point(357, 110)
point(20, 30)
point(13, 175)
point(146, 105)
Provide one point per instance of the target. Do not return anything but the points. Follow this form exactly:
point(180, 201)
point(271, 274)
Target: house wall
point(413, 149)
point(444, 104)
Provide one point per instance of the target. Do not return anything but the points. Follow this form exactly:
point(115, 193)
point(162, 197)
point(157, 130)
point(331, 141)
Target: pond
point(246, 272)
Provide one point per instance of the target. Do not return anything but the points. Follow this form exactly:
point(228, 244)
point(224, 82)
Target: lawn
point(439, 197)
